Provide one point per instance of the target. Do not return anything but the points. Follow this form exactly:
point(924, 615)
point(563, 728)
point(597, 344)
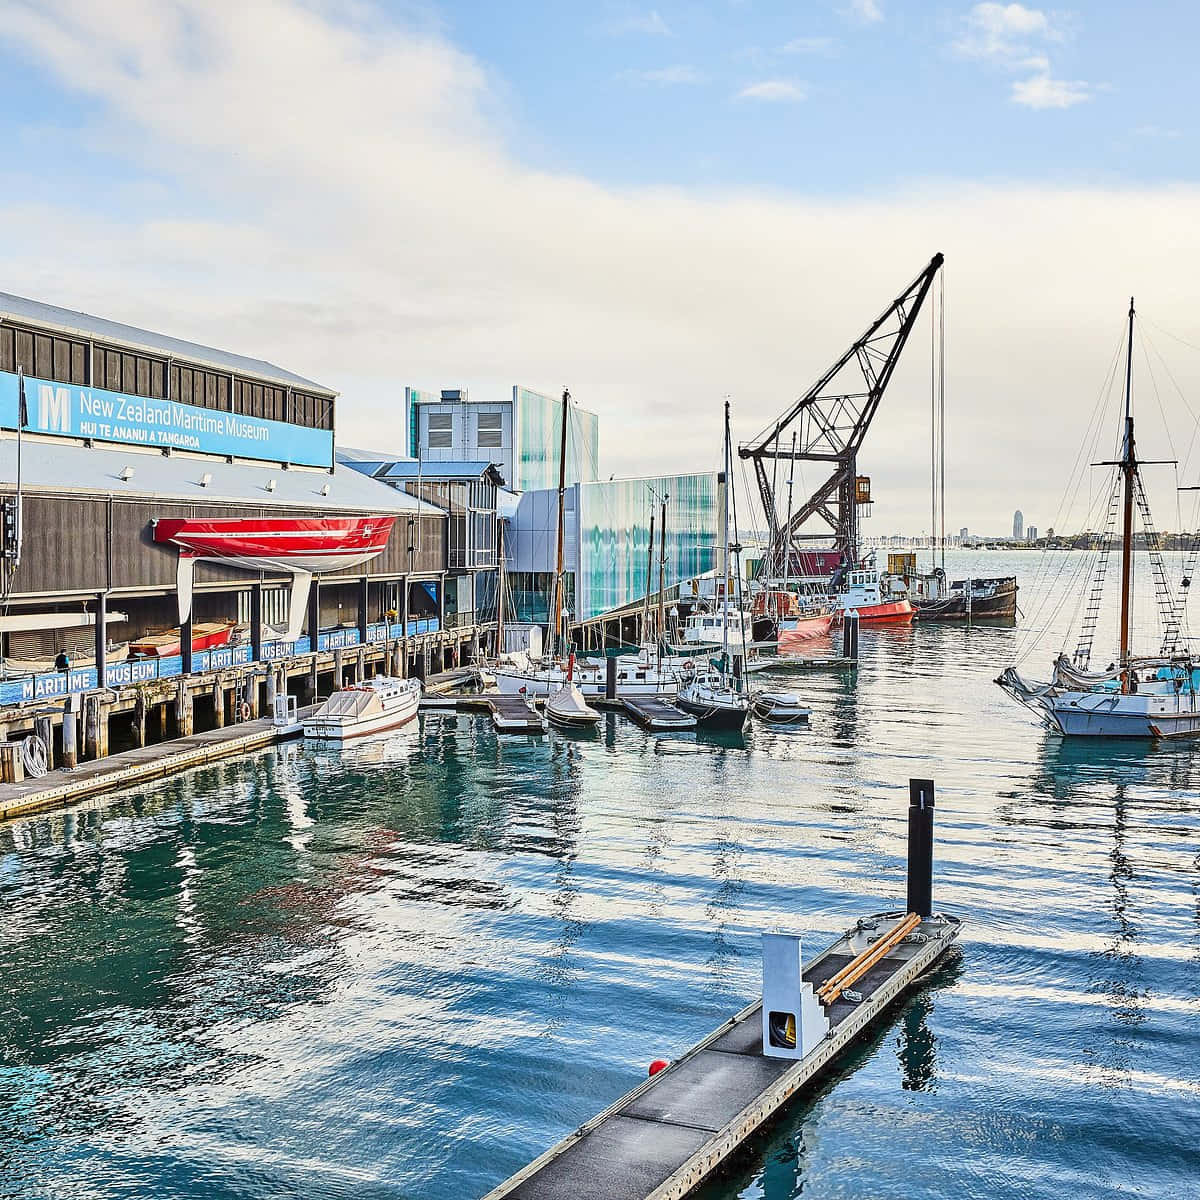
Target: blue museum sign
point(69, 411)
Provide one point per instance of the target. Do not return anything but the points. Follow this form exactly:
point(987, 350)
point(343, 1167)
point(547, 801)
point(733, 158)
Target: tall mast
point(649, 578)
point(662, 574)
point(562, 493)
point(500, 581)
point(1129, 470)
point(725, 542)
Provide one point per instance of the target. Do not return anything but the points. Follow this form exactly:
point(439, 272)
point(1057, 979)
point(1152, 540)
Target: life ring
point(245, 711)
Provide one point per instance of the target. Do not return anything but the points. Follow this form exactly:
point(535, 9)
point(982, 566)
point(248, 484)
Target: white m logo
point(54, 409)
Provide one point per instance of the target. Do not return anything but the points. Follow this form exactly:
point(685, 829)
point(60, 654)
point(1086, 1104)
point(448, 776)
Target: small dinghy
point(376, 706)
point(567, 708)
point(780, 708)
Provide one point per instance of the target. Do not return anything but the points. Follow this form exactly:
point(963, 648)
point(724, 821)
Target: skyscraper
point(1018, 526)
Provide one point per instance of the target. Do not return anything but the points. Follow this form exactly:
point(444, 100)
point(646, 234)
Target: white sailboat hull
point(632, 680)
point(1092, 714)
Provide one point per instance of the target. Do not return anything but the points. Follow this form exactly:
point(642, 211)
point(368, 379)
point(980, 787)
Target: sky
point(656, 205)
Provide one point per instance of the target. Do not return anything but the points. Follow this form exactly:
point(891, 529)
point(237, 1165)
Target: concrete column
point(314, 614)
point(337, 668)
point(250, 694)
point(360, 665)
point(272, 690)
point(312, 678)
point(218, 697)
point(44, 728)
point(185, 644)
point(161, 717)
point(183, 708)
point(101, 637)
point(70, 736)
point(139, 719)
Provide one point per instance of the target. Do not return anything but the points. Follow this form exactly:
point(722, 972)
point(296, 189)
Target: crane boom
point(831, 420)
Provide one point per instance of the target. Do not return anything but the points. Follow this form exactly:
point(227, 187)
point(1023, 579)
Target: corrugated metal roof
point(67, 320)
point(410, 468)
point(65, 468)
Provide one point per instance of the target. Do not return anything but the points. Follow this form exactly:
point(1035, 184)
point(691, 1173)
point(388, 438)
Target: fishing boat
point(713, 695)
point(780, 708)
point(1149, 696)
point(877, 598)
point(376, 706)
point(567, 708)
point(208, 635)
point(936, 597)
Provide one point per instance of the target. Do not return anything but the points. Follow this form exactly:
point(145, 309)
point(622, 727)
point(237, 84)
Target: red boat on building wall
point(297, 546)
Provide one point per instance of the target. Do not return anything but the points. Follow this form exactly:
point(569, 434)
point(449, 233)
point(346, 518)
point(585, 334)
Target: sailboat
point(713, 695)
point(567, 708)
point(643, 674)
point(1141, 697)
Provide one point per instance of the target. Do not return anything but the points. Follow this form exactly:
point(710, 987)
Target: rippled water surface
point(404, 972)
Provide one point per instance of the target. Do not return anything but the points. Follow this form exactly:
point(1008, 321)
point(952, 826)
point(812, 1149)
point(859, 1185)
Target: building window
point(441, 431)
point(491, 428)
point(60, 359)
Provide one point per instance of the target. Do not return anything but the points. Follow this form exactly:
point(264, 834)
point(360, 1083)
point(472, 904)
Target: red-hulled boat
point(795, 631)
point(877, 599)
point(312, 544)
point(209, 636)
point(298, 546)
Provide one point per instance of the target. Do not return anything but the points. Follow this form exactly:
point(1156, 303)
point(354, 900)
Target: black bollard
point(850, 635)
point(920, 846)
point(610, 678)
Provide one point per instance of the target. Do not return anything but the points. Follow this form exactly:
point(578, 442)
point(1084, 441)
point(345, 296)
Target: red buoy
point(659, 1064)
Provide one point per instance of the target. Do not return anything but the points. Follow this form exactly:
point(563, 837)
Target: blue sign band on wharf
point(65, 410)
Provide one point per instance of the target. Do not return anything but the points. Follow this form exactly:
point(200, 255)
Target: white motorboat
point(376, 706)
point(715, 700)
point(780, 708)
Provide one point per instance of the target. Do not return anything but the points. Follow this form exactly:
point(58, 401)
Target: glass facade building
point(539, 434)
point(614, 536)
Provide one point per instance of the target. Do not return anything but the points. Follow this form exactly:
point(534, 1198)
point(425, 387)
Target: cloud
point(666, 76)
point(1040, 91)
point(773, 89)
point(1002, 32)
point(864, 12)
point(372, 229)
point(1014, 38)
point(650, 23)
point(809, 45)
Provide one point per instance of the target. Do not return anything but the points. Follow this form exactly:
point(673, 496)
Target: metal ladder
point(1087, 631)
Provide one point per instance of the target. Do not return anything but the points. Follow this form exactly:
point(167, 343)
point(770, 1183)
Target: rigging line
point(1086, 451)
point(1175, 383)
point(1050, 588)
point(942, 396)
point(1173, 336)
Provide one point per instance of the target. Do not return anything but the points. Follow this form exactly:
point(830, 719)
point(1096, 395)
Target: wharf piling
point(673, 1131)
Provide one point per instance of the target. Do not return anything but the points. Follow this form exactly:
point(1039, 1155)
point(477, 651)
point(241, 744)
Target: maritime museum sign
point(78, 412)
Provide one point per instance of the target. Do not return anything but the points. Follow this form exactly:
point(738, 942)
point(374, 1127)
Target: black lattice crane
point(831, 420)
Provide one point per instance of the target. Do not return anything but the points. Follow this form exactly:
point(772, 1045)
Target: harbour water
point(406, 970)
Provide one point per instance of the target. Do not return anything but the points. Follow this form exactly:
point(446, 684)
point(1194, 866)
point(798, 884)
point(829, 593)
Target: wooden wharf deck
point(658, 714)
point(674, 1130)
point(60, 788)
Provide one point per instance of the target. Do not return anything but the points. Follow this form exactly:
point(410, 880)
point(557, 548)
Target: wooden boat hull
point(167, 645)
point(989, 598)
